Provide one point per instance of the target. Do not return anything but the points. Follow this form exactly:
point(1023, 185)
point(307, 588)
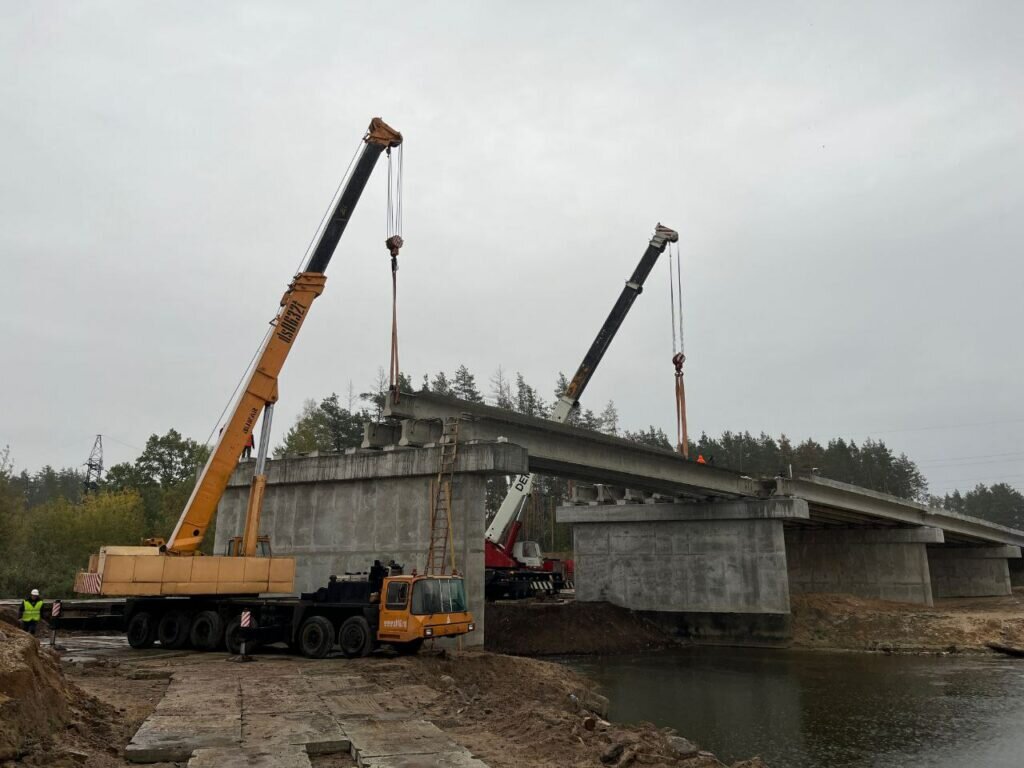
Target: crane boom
point(521, 485)
point(261, 388)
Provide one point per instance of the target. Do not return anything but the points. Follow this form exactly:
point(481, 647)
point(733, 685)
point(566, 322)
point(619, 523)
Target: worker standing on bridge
point(31, 612)
point(250, 443)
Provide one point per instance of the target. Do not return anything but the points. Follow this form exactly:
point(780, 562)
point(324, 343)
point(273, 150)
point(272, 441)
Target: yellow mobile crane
point(177, 595)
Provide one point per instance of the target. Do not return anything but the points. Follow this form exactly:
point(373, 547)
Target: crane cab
point(415, 608)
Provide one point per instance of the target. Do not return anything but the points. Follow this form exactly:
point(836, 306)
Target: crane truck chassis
point(354, 614)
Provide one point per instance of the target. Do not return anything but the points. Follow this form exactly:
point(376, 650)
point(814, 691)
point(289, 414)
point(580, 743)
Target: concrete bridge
point(716, 553)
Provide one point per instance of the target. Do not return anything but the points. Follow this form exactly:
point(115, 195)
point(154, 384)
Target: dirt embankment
point(824, 621)
point(542, 628)
point(45, 720)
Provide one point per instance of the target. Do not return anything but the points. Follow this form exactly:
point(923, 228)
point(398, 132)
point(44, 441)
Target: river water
point(814, 709)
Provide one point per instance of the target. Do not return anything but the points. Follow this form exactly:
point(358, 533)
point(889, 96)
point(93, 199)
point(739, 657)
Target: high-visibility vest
point(32, 612)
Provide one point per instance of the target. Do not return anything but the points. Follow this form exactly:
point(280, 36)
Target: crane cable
point(394, 243)
point(675, 287)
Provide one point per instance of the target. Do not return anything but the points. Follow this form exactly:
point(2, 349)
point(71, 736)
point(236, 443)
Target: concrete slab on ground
point(248, 719)
point(260, 757)
point(318, 732)
point(173, 738)
point(374, 740)
point(440, 760)
point(279, 694)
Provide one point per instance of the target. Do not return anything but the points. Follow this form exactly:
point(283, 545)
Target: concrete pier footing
point(971, 571)
point(884, 563)
point(336, 513)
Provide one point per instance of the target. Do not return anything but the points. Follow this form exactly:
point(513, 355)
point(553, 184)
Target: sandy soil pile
point(513, 711)
point(538, 628)
point(844, 621)
point(33, 695)
point(44, 719)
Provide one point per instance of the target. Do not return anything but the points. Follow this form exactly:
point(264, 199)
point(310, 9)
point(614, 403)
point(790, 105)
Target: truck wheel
point(172, 631)
point(316, 637)
point(355, 637)
point(141, 630)
point(233, 642)
point(408, 649)
point(207, 631)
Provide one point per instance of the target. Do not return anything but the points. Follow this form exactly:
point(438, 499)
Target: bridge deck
point(581, 454)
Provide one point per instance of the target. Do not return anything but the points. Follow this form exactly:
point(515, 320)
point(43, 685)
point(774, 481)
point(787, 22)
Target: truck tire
point(408, 649)
point(207, 631)
point(316, 637)
point(355, 637)
point(172, 631)
point(233, 642)
point(141, 630)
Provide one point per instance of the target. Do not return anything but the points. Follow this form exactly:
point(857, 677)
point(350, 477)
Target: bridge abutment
point(971, 571)
point(337, 513)
point(706, 570)
point(882, 563)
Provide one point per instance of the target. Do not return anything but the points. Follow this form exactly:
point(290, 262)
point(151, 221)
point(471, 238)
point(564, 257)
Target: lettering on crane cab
point(290, 321)
point(395, 624)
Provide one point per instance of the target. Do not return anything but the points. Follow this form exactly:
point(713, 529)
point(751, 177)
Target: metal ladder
point(441, 553)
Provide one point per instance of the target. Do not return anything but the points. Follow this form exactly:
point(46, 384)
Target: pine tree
point(464, 386)
point(440, 384)
point(527, 400)
point(609, 419)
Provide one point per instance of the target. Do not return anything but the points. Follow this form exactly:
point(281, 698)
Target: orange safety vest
point(700, 458)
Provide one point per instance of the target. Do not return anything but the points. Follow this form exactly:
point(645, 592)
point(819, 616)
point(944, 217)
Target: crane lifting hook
point(394, 244)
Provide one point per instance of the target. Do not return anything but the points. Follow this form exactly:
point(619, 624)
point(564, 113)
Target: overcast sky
point(847, 183)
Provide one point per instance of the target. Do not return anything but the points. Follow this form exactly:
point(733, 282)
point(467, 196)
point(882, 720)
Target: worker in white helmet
point(31, 612)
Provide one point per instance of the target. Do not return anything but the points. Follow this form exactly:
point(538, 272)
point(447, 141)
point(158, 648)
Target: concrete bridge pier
point(879, 563)
point(713, 571)
point(971, 571)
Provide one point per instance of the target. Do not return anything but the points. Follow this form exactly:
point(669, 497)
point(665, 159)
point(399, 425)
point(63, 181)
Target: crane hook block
point(394, 243)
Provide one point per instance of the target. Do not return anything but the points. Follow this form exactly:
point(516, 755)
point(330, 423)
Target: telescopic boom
point(522, 484)
point(261, 389)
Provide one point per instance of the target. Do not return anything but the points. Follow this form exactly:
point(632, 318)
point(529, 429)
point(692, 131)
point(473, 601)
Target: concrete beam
point(380, 435)
point(494, 459)
point(581, 454)
point(851, 498)
point(767, 509)
point(416, 433)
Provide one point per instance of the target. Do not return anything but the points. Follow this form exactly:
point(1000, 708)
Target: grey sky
point(847, 182)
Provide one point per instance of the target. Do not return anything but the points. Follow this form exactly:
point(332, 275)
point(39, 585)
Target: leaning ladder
point(441, 554)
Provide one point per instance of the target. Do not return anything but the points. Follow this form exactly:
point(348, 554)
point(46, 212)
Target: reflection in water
point(808, 710)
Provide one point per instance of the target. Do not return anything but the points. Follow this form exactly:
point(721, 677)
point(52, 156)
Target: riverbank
point(844, 622)
point(565, 627)
point(819, 622)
